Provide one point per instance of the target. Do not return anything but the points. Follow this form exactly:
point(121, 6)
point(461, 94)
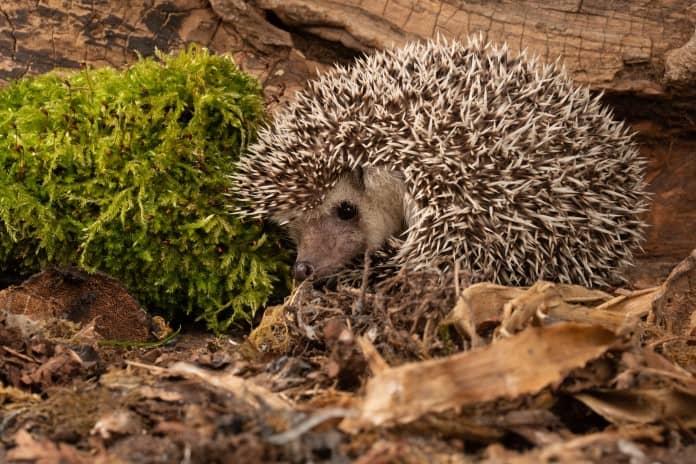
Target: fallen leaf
point(43, 451)
point(121, 422)
point(234, 384)
point(642, 406)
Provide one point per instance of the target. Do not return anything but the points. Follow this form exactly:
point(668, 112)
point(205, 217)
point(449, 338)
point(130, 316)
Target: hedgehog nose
point(303, 270)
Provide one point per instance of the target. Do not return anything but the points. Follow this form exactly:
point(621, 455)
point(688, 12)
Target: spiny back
point(511, 168)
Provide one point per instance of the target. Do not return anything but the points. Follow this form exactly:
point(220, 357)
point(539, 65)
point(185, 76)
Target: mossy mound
point(126, 172)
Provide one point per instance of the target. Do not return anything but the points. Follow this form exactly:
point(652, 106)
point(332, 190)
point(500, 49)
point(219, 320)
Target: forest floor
point(424, 368)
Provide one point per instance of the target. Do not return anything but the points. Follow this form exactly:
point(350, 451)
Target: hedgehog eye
point(346, 210)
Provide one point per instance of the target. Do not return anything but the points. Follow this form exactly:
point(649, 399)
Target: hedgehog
point(445, 151)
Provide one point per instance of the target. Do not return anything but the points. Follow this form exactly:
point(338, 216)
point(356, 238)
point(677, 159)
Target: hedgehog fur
point(511, 169)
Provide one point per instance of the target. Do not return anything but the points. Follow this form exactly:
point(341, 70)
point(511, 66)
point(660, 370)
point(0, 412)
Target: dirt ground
point(422, 368)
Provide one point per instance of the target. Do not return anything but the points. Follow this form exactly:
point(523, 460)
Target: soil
point(471, 374)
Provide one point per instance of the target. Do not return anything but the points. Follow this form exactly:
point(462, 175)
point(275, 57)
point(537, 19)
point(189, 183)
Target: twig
point(363, 286)
point(308, 424)
point(19, 355)
point(375, 361)
point(149, 367)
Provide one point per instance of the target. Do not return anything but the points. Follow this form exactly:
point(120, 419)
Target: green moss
point(125, 172)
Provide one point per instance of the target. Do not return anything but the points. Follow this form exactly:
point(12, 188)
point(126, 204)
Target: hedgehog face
point(358, 215)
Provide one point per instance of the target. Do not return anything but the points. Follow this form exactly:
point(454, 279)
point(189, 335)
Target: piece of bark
point(645, 47)
point(671, 175)
point(674, 308)
point(484, 304)
point(36, 37)
point(611, 45)
point(519, 365)
point(680, 63)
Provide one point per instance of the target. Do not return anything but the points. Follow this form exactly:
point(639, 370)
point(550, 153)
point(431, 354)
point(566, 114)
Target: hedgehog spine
point(507, 165)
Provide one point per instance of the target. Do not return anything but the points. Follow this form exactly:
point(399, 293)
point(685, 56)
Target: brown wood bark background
point(641, 53)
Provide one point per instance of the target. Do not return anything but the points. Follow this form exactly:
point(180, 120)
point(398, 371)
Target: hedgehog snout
point(326, 245)
point(303, 270)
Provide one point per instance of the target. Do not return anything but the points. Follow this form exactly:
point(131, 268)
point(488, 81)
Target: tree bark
point(641, 53)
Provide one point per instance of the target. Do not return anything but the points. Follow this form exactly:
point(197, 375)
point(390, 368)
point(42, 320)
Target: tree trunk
point(641, 53)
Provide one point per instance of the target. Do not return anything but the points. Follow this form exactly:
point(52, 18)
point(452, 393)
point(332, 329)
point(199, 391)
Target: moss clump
point(125, 172)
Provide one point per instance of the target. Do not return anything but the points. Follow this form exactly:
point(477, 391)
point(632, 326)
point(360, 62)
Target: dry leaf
point(642, 406)
point(253, 393)
point(121, 422)
point(43, 451)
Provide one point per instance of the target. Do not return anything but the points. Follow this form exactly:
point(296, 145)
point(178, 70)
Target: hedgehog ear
point(357, 178)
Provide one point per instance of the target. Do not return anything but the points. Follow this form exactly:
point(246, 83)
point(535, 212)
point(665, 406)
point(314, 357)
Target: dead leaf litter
point(423, 367)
